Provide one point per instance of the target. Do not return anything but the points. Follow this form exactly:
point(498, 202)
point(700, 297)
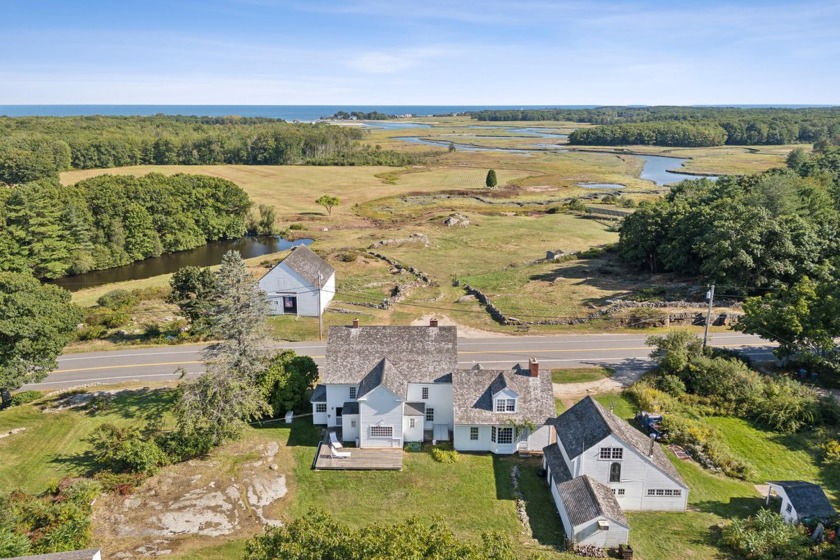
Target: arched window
point(615, 472)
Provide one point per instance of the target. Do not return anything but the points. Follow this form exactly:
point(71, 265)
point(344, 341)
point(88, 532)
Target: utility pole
point(710, 295)
point(320, 311)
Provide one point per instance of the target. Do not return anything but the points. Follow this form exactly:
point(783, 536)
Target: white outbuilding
point(301, 284)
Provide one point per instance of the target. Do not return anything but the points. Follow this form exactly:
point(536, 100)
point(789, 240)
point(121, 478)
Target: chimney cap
point(433, 322)
point(355, 323)
point(533, 367)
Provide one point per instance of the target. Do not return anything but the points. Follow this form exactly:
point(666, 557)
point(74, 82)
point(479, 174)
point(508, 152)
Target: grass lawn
point(580, 375)
point(53, 444)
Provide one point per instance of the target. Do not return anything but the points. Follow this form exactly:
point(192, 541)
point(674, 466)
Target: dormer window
point(352, 393)
point(505, 405)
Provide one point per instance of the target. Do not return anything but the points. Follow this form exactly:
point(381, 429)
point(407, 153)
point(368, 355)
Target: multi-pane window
point(412, 422)
point(611, 453)
point(424, 392)
point(430, 415)
point(352, 393)
point(474, 433)
point(321, 407)
point(381, 431)
point(789, 508)
point(505, 405)
point(501, 435)
point(659, 492)
point(618, 491)
point(352, 423)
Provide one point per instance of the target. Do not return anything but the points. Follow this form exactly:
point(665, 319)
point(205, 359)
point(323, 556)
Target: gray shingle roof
point(319, 394)
point(306, 263)
point(384, 373)
point(415, 355)
point(588, 422)
point(808, 499)
point(586, 499)
point(554, 460)
point(414, 409)
point(473, 389)
point(350, 407)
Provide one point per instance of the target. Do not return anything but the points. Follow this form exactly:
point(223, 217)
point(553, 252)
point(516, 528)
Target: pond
point(658, 169)
point(206, 255)
point(388, 125)
point(461, 147)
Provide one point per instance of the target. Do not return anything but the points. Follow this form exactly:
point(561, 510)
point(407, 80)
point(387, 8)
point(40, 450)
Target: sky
point(429, 52)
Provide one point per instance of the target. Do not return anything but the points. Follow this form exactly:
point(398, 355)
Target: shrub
point(628, 203)
point(609, 199)
point(26, 397)
point(348, 256)
point(296, 227)
point(785, 406)
point(764, 536)
point(671, 384)
point(444, 455)
point(118, 299)
point(119, 483)
point(651, 399)
point(705, 445)
point(576, 205)
point(126, 450)
point(92, 332)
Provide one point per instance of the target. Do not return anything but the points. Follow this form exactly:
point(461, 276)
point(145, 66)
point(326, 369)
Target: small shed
point(801, 500)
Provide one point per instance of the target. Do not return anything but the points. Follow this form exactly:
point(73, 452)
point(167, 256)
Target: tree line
point(52, 230)
point(33, 148)
point(755, 231)
point(686, 126)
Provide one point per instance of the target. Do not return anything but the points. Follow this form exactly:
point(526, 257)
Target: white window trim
point(426, 416)
point(502, 404)
point(319, 406)
point(352, 393)
point(474, 430)
point(412, 422)
point(424, 393)
point(612, 453)
point(381, 432)
point(495, 434)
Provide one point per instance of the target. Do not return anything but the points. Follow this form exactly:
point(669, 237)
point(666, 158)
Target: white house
point(386, 386)
point(301, 284)
point(593, 442)
point(801, 500)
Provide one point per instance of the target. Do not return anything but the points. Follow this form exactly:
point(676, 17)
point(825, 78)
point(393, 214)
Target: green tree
point(36, 322)
point(328, 202)
point(287, 380)
point(191, 290)
point(218, 404)
point(491, 181)
point(317, 536)
point(674, 351)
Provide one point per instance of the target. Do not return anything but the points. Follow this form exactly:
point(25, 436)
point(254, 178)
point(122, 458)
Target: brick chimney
point(534, 367)
point(433, 322)
point(355, 323)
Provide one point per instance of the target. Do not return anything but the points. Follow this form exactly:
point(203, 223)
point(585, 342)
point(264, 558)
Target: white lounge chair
point(336, 454)
point(334, 441)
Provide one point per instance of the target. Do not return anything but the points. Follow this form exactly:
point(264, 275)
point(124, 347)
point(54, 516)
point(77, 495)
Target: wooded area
point(109, 221)
point(33, 148)
point(686, 126)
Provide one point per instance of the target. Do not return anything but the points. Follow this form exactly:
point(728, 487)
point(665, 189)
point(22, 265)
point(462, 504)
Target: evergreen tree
point(216, 406)
point(490, 181)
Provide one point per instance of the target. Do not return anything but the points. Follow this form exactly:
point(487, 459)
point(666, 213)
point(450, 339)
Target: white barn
point(593, 442)
point(301, 284)
point(387, 386)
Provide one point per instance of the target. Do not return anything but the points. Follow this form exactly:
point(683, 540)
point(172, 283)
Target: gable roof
point(586, 499)
point(473, 390)
point(319, 395)
point(385, 374)
point(808, 499)
point(307, 264)
point(414, 354)
point(588, 422)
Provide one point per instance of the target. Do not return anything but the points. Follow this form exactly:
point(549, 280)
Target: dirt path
point(463, 331)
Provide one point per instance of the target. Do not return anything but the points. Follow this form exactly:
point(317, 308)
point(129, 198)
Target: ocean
point(303, 113)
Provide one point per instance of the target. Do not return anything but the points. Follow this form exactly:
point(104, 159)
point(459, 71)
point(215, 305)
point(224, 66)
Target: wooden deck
point(359, 460)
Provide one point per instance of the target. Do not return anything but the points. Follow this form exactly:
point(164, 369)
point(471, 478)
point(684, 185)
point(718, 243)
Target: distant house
point(386, 386)
point(801, 500)
point(301, 284)
point(595, 444)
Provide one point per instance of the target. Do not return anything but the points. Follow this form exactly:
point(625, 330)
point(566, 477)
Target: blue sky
point(419, 52)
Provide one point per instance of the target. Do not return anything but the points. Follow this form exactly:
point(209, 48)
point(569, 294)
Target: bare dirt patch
point(234, 494)
point(463, 331)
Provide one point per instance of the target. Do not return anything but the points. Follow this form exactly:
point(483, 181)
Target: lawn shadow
point(302, 433)
point(147, 404)
point(82, 463)
point(502, 467)
point(736, 507)
point(543, 518)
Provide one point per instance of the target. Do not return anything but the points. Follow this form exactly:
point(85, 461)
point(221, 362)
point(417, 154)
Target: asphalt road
point(625, 352)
